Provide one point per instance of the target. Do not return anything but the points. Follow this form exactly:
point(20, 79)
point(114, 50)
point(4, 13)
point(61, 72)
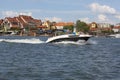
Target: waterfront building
point(116, 28)
point(100, 28)
point(61, 25)
point(20, 23)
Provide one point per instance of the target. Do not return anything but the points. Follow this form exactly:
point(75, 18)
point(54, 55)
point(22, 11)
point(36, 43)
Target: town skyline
point(27, 25)
point(65, 10)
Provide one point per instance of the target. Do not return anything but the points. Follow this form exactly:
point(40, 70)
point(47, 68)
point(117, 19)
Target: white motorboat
point(69, 37)
point(115, 35)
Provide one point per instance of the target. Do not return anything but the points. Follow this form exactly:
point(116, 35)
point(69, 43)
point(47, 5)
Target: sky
point(101, 11)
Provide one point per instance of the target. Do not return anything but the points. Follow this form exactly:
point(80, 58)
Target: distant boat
point(114, 35)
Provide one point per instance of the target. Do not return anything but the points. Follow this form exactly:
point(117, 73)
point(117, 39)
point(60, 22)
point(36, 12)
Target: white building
point(104, 25)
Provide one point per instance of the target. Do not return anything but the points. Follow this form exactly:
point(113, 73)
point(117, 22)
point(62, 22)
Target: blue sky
point(63, 10)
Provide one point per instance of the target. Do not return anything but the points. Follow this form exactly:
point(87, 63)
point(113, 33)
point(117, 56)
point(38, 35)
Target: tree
point(82, 26)
point(70, 27)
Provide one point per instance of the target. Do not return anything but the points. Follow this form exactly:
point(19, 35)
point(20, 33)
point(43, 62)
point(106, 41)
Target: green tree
point(82, 26)
point(70, 27)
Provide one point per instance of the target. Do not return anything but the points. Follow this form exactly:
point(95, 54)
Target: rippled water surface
point(30, 58)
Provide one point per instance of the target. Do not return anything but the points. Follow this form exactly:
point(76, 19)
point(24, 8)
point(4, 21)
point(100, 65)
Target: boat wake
point(38, 41)
point(28, 41)
point(92, 42)
point(70, 42)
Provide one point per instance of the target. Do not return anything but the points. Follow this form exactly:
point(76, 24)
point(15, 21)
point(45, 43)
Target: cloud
point(102, 18)
point(28, 13)
point(54, 19)
point(85, 19)
point(95, 7)
point(105, 13)
point(9, 13)
point(13, 13)
point(117, 16)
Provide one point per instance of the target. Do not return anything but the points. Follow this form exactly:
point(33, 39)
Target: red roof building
point(11, 22)
point(64, 24)
point(21, 21)
point(116, 28)
point(1, 21)
point(26, 20)
point(60, 25)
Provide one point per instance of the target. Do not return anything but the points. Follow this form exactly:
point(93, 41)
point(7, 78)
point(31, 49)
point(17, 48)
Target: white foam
point(71, 42)
point(31, 41)
point(38, 41)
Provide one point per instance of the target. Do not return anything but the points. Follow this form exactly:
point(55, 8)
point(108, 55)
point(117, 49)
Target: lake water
point(30, 58)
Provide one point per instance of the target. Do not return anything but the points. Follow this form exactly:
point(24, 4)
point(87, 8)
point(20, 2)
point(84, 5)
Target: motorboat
point(74, 36)
point(69, 37)
point(115, 35)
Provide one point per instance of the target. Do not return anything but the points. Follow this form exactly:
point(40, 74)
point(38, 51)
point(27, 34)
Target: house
point(116, 29)
point(1, 23)
point(100, 28)
point(61, 25)
point(10, 23)
point(1, 26)
point(28, 21)
point(93, 26)
point(29, 24)
point(104, 25)
point(47, 24)
point(22, 23)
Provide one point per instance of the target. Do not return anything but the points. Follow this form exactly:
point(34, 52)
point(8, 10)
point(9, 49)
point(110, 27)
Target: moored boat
point(114, 35)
